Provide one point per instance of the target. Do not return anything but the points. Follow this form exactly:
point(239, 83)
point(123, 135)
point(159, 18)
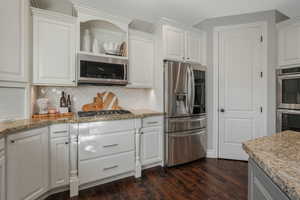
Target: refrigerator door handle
point(191, 95)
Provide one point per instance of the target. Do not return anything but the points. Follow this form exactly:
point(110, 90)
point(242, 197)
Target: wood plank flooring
point(209, 179)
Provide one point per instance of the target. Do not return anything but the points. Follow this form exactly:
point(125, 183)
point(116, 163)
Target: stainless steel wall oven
point(288, 88)
point(288, 99)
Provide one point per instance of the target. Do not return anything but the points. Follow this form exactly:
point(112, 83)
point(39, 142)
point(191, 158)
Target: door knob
point(222, 110)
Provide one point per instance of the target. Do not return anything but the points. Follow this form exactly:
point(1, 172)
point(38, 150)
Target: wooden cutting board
point(103, 101)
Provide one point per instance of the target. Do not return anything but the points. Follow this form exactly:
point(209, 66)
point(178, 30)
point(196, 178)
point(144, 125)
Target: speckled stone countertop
point(27, 124)
point(279, 157)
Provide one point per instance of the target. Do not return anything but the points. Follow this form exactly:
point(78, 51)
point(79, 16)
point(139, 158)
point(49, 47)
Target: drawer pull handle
point(57, 132)
point(111, 145)
point(152, 123)
point(109, 168)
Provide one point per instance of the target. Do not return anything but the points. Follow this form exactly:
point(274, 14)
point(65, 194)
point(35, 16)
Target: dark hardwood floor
point(208, 179)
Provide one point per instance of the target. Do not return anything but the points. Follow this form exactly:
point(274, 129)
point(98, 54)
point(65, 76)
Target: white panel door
point(151, 145)
point(193, 50)
point(59, 162)
point(54, 52)
point(27, 164)
point(240, 89)
point(12, 40)
point(174, 43)
point(289, 45)
point(141, 61)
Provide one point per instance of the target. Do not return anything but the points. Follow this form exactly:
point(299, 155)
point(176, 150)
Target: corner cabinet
point(152, 142)
point(54, 48)
point(27, 164)
point(14, 40)
point(141, 60)
point(184, 46)
point(289, 42)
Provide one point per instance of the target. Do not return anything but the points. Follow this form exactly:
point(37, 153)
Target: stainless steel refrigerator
point(185, 108)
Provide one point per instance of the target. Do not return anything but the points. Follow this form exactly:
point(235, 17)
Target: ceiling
point(190, 12)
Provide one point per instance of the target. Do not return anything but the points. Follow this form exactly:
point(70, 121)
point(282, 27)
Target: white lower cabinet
point(59, 162)
point(2, 170)
point(2, 177)
point(152, 142)
point(27, 164)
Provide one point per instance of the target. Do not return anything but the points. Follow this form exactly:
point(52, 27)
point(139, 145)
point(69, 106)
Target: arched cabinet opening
point(103, 37)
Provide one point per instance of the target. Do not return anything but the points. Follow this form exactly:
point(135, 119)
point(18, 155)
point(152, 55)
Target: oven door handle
point(288, 76)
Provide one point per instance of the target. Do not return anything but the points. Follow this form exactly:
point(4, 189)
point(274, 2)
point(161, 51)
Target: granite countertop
point(279, 157)
point(27, 124)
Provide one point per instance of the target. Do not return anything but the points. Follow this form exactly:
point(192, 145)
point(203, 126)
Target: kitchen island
point(274, 166)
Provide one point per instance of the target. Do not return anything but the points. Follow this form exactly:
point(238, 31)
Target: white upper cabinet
point(174, 43)
point(54, 48)
point(193, 47)
point(27, 164)
point(14, 41)
point(141, 60)
point(180, 45)
point(289, 43)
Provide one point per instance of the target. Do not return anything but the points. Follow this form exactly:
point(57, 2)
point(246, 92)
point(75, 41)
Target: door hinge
point(261, 38)
point(261, 109)
point(261, 74)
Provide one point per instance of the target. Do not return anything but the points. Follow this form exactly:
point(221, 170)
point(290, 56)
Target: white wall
point(128, 98)
point(271, 17)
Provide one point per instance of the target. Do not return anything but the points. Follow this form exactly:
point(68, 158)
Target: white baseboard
point(211, 153)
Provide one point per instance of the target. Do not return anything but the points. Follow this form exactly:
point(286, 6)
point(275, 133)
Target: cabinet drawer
point(59, 130)
point(97, 169)
point(105, 127)
point(101, 145)
point(152, 121)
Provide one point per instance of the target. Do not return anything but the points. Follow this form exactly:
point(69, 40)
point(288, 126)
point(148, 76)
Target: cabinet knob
point(73, 81)
point(188, 58)
point(12, 141)
point(183, 58)
point(66, 142)
point(142, 133)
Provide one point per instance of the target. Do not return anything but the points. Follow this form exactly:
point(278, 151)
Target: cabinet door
point(27, 164)
point(151, 145)
point(193, 47)
point(289, 45)
point(2, 177)
point(59, 162)
point(12, 40)
point(174, 43)
point(53, 52)
point(141, 61)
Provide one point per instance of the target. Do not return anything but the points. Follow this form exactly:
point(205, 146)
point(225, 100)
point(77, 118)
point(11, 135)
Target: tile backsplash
point(128, 98)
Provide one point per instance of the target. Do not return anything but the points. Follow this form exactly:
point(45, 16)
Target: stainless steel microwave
point(102, 70)
point(288, 88)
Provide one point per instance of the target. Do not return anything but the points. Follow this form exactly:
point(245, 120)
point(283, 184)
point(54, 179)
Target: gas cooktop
point(102, 112)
